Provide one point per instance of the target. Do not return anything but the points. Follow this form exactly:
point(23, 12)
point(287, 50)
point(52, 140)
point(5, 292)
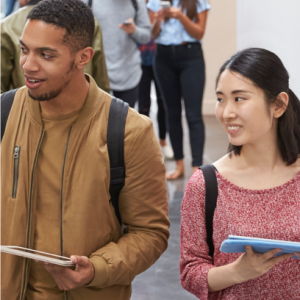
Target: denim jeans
point(180, 70)
point(129, 96)
point(145, 99)
point(9, 6)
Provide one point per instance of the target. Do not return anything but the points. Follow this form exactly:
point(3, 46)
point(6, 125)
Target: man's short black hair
point(72, 15)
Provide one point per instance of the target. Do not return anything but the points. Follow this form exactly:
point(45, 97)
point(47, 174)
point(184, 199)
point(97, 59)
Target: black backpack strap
point(90, 3)
point(7, 100)
point(211, 196)
point(135, 5)
point(115, 145)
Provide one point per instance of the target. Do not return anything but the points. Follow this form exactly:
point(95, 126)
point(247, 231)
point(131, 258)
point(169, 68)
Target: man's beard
point(46, 96)
point(54, 93)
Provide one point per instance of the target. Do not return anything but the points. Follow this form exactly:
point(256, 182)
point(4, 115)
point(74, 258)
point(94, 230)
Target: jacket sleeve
point(195, 261)
point(7, 61)
point(143, 207)
point(97, 66)
point(142, 33)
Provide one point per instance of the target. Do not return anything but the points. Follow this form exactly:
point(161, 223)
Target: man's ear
point(281, 104)
point(84, 56)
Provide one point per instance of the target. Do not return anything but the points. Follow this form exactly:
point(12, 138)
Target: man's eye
point(46, 55)
point(22, 49)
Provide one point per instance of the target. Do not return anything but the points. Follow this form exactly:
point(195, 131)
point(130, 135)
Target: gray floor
point(162, 280)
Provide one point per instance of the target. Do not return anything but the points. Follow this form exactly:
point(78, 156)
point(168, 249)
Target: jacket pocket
point(17, 150)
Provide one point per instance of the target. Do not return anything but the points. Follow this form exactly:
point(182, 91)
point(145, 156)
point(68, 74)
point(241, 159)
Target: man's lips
point(33, 83)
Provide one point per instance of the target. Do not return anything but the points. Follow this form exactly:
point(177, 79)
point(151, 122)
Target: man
point(124, 23)
point(56, 172)
point(11, 30)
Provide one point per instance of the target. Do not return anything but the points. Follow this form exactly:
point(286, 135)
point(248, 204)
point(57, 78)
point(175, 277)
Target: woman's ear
point(281, 104)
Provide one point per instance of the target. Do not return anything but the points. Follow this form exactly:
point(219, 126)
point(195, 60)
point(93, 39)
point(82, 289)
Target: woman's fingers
point(275, 260)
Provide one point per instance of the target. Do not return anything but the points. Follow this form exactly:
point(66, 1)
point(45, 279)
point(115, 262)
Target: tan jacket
point(11, 73)
point(89, 224)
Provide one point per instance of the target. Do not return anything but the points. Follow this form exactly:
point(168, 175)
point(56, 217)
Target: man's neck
point(71, 98)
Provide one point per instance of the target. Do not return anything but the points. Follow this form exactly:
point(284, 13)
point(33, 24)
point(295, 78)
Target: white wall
point(274, 25)
point(219, 44)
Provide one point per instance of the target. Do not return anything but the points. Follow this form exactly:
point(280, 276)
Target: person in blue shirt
point(180, 69)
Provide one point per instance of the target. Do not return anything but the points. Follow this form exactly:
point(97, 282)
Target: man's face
point(46, 62)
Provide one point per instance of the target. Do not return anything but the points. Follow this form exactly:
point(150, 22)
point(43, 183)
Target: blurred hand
point(68, 279)
point(173, 12)
point(160, 15)
point(251, 265)
point(128, 28)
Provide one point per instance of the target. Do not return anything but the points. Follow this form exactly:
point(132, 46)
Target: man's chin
point(44, 96)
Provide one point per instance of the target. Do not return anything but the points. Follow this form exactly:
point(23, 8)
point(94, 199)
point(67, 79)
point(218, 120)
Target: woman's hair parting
point(267, 72)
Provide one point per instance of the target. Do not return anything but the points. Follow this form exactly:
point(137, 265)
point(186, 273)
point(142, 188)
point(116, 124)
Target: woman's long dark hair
point(188, 6)
point(266, 71)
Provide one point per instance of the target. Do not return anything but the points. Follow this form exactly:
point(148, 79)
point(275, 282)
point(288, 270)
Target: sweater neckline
point(262, 191)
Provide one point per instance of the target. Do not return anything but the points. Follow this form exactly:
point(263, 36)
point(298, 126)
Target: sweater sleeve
point(7, 60)
point(143, 206)
point(97, 66)
point(142, 33)
point(195, 261)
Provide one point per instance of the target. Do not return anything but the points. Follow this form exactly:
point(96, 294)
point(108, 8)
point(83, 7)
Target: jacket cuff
point(101, 273)
point(141, 35)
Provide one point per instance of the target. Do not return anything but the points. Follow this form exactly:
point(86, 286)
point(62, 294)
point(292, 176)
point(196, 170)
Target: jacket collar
point(33, 2)
point(93, 100)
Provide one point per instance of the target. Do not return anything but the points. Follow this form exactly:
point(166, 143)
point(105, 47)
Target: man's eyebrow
point(41, 49)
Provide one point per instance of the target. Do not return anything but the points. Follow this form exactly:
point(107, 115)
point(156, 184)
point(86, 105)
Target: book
point(38, 255)
point(236, 244)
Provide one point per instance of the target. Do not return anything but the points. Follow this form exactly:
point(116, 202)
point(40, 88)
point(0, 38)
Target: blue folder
point(236, 244)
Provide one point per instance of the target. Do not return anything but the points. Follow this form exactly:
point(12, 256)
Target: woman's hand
point(128, 28)
point(251, 265)
point(173, 12)
point(297, 254)
point(248, 266)
point(160, 15)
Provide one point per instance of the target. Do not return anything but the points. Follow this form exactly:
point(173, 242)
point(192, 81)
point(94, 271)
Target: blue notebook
point(236, 244)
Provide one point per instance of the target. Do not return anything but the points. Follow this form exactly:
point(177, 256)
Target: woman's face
point(242, 110)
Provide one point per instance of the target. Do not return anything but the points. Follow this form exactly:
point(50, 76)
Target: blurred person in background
point(147, 54)
point(180, 69)
point(11, 30)
point(9, 7)
point(124, 23)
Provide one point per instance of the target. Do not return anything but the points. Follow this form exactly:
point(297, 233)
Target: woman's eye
point(239, 99)
point(219, 100)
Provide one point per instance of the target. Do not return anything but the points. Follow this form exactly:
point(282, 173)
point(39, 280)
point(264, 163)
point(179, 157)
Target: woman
point(258, 186)
point(179, 67)
point(147, 55)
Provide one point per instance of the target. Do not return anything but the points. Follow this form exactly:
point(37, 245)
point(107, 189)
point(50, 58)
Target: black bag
point(211, 196)
point(115, 142)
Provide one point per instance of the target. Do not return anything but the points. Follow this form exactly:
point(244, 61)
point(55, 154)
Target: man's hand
point(68, 279)
point(128, 28)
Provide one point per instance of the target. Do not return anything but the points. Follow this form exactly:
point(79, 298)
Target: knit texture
point(269, 213)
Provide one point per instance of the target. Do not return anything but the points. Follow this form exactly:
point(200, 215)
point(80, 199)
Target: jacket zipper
point(61, 204)
point(30, 214)
point(16, 170)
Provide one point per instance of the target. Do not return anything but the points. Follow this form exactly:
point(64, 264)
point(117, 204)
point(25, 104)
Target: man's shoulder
point(137, 125)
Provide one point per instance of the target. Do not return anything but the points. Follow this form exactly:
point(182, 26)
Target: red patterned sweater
point(270, 213)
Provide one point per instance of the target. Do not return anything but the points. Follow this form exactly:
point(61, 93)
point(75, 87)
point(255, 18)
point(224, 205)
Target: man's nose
point(29, 64)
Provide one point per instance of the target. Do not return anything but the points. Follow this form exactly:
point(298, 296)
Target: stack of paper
point(38, 255)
